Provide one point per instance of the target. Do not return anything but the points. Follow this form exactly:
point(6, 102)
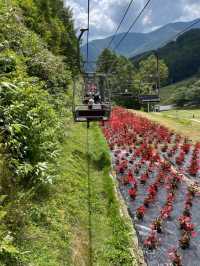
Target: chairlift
point(151, 95)
point(95, 104)
point(124, 94)
point(149, 98)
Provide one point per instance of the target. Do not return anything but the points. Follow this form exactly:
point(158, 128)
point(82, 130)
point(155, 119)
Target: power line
point(119, 26)
point(132, 25)
point(130, 28)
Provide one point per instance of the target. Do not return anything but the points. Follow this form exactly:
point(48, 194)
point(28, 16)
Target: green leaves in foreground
point(31, 130)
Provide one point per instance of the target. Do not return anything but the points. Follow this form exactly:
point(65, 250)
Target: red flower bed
point(144, 152)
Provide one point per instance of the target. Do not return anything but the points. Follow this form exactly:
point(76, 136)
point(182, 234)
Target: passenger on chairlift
point(97, 98)
point(90, 103)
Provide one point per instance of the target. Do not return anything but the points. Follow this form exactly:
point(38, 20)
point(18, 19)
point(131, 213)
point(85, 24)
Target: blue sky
point(106, 14)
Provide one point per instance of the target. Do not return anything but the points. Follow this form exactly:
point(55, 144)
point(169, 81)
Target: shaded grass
point(56, 230)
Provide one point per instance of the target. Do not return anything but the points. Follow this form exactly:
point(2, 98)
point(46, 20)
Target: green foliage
point(188, 95)
point(31, 129)
point(121, 76)
point(54, 24)
point(7, 64)
point(148, 70)
point(51, 69)
point(182, 56)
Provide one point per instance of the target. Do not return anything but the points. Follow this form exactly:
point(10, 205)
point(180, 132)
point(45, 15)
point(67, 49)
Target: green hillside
point(169, 93)
point(181, 56)
point(182, 94)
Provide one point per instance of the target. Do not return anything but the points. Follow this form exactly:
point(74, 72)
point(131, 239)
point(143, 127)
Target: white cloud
point(147, 19)
point(106, 14)
point(79, 12)
point(191, 11)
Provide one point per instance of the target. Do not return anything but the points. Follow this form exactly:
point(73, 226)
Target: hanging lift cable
point(129, 29)
point(161, 45)
point(119, 26)
point(90, 250)
point(132, 25)
point(89, 200)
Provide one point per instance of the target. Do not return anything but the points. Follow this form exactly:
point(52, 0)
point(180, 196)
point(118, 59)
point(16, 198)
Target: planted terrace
point(158, 173)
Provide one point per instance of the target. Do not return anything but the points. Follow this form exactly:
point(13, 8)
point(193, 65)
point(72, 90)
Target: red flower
point(166, 211)
point(152, 241)
point(140, 212)
point(132, 193)
point(144, 178)
point(175, 257)
point(185, 223)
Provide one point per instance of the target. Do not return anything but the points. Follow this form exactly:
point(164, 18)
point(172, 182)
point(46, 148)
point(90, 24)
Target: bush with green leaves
point(188, 95)
point(51, 69)
point(32, 130)
point(7, 64)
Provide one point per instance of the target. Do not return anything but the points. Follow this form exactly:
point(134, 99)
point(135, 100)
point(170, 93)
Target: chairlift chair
point(152, 96)
point(94, 84)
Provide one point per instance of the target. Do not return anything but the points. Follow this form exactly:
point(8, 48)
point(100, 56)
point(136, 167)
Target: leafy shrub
point(7, 64)
point(188, 95)
point(51, 69)
point(31, 130)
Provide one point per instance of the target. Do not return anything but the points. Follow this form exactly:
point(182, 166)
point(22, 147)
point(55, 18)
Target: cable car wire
point(161, 45)
point(130, 28)
point(89, 200)
point(119, 26)
point(88, 164)
point(133, 24)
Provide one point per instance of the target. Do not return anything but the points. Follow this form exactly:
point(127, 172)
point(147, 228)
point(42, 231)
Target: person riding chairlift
point(90, 103)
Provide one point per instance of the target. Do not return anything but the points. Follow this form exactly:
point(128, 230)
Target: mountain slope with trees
point(182, 56)
point(137, 43)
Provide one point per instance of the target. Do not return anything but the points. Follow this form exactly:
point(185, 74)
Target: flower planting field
point(158, 172)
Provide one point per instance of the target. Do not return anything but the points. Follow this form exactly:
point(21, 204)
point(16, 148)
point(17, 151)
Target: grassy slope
point(180, 123)
point(167, 93)
point(56, 233)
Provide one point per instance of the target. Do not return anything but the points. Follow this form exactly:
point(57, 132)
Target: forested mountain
point(181, 56)
point(137, 43)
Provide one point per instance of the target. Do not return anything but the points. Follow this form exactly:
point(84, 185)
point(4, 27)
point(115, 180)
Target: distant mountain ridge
point(137, 43)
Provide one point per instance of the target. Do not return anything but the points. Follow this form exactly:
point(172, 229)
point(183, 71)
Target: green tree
point(121, 77)
point(148, 70)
